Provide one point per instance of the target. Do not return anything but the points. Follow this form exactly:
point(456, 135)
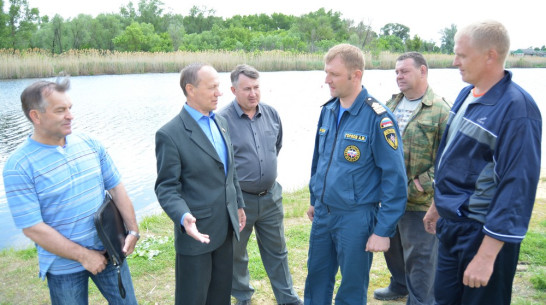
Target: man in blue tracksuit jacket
point(357, 163)
point(487, 172)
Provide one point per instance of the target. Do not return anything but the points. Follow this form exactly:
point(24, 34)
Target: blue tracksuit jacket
point(490, 171)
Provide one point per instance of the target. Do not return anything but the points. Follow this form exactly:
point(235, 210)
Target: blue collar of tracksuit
point(492, 96)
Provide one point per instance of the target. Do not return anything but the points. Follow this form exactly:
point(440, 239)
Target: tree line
point(147, 27)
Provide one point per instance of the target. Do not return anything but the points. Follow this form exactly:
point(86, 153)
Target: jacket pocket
point(427, 132)
point(323, 132)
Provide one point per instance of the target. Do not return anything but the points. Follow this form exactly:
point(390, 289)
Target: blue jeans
point(73, 288)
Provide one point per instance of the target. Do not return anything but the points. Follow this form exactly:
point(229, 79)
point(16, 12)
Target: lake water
point(125, 111)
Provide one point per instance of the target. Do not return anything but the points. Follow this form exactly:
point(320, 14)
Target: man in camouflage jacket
point(421, 116)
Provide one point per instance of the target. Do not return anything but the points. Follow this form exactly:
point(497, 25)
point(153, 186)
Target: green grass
point(152, 265)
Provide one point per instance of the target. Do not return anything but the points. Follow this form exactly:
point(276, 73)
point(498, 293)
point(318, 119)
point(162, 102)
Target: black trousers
point(205, 279)
point(458, 243)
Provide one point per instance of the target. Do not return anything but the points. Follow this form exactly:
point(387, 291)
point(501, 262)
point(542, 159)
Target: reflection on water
point(13, 129)
point(125, 111)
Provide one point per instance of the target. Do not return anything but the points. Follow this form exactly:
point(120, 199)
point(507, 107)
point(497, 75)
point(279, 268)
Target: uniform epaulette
point(376, 106)
point(330, 100)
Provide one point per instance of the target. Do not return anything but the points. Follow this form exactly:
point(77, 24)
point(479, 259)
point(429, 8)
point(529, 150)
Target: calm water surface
point(125, 111)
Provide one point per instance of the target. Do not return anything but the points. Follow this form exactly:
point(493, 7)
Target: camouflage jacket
point(421, 139)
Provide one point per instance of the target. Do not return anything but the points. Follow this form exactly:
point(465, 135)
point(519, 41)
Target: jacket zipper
point(330, 161)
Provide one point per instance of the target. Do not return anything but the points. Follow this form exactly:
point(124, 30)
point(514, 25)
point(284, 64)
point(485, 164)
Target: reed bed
point(36, 63)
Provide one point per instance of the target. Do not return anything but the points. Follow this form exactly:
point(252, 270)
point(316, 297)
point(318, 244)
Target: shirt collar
point(355, 107)
point(240, 111)
point(196, 115)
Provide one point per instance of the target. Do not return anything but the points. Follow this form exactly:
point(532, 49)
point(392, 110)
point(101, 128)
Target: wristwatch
point(135, 234)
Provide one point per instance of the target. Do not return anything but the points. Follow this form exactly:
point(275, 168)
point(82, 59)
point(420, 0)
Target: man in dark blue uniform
point(357, 164)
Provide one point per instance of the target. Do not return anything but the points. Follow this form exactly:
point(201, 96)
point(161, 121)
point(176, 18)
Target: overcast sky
point(425, 18)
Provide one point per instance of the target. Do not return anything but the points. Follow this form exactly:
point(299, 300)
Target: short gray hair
point(487, 34)
point(188, 75)
point(246, 70)
point(33, 97)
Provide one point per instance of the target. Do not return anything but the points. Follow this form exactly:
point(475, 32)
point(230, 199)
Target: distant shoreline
point(39, 63)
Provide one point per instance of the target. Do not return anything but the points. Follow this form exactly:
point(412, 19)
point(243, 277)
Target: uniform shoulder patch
point(391, 138)
point(376, 106)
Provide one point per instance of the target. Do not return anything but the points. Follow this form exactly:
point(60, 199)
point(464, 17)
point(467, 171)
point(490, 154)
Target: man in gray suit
point(197, 187)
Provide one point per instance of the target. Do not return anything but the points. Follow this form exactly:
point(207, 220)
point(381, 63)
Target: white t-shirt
point(404, 112)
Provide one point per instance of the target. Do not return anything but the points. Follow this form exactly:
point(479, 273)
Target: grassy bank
point(152, 265)
point(39, 63)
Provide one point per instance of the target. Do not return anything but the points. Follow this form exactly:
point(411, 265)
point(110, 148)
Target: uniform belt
point(259, 194)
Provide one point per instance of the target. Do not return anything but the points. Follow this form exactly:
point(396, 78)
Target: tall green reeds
point(37, 63)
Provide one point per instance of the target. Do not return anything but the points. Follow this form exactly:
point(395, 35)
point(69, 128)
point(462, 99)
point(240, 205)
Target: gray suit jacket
point(191, 178)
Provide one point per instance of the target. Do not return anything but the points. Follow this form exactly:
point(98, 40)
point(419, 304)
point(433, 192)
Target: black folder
point(112, 232)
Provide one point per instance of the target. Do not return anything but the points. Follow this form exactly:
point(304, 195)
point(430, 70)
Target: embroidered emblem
point(351, 153)
point(390, 136)
point(385, 123)
point(356, 137)
point(322, 131)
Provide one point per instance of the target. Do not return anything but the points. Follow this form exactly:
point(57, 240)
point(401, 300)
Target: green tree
point(200, 19)
point(104, 28)
point(361, 34)
point(234, 38)
point(132, 39)
point(151, 11)
point(292, 42)
point(389, 43)
point(282, 22)
point(52, 36)
point(21, 25)
point(321, 25)
point(142, 37)
point(57, 26)
point(175, 29)
point(415, 44)
point(79, 28)
point(128, 14)
point(396, 29)
point(3, 27)
point(448, 39)
point(430, 46)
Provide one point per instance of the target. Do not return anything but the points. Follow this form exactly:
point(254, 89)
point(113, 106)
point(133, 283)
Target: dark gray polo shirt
point(256, 144)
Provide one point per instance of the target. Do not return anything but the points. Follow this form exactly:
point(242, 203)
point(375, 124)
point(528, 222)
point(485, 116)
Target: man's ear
point(358, 74)
point(232, 89)
point(34, 116)
point(492, 55)
point(423, 70)
point(189, 89)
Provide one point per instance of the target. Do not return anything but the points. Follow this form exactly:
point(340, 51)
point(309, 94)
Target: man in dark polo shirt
point(257, 139)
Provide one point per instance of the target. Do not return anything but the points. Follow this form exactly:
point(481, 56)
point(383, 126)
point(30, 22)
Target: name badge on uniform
point(355, 136)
